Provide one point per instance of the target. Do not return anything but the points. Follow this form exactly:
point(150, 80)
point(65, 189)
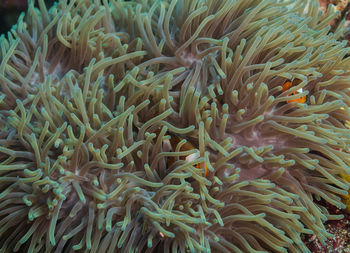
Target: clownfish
point(288, 84)
point(174, 141)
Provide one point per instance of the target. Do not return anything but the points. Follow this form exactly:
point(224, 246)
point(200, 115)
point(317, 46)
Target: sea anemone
point(171, 126)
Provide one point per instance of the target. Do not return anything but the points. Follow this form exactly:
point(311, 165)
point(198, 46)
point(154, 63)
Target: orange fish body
point(287, 85)
point(198, 166)
point(174, 141)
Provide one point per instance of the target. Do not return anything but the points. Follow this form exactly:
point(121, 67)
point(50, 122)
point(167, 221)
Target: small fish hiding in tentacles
point(288, 84)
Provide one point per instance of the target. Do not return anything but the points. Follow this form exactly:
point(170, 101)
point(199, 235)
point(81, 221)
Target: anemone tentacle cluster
point(93, 95)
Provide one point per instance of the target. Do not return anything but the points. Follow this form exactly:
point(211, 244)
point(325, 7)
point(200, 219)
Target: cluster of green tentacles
point(162, 126)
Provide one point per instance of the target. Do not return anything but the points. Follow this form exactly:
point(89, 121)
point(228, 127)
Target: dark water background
point(11, 9)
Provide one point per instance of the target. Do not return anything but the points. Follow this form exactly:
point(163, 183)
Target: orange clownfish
point(174, 141)
point(288, 84)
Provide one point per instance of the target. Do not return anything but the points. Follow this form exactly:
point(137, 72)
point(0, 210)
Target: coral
point(340, 241)
point(166, 126)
